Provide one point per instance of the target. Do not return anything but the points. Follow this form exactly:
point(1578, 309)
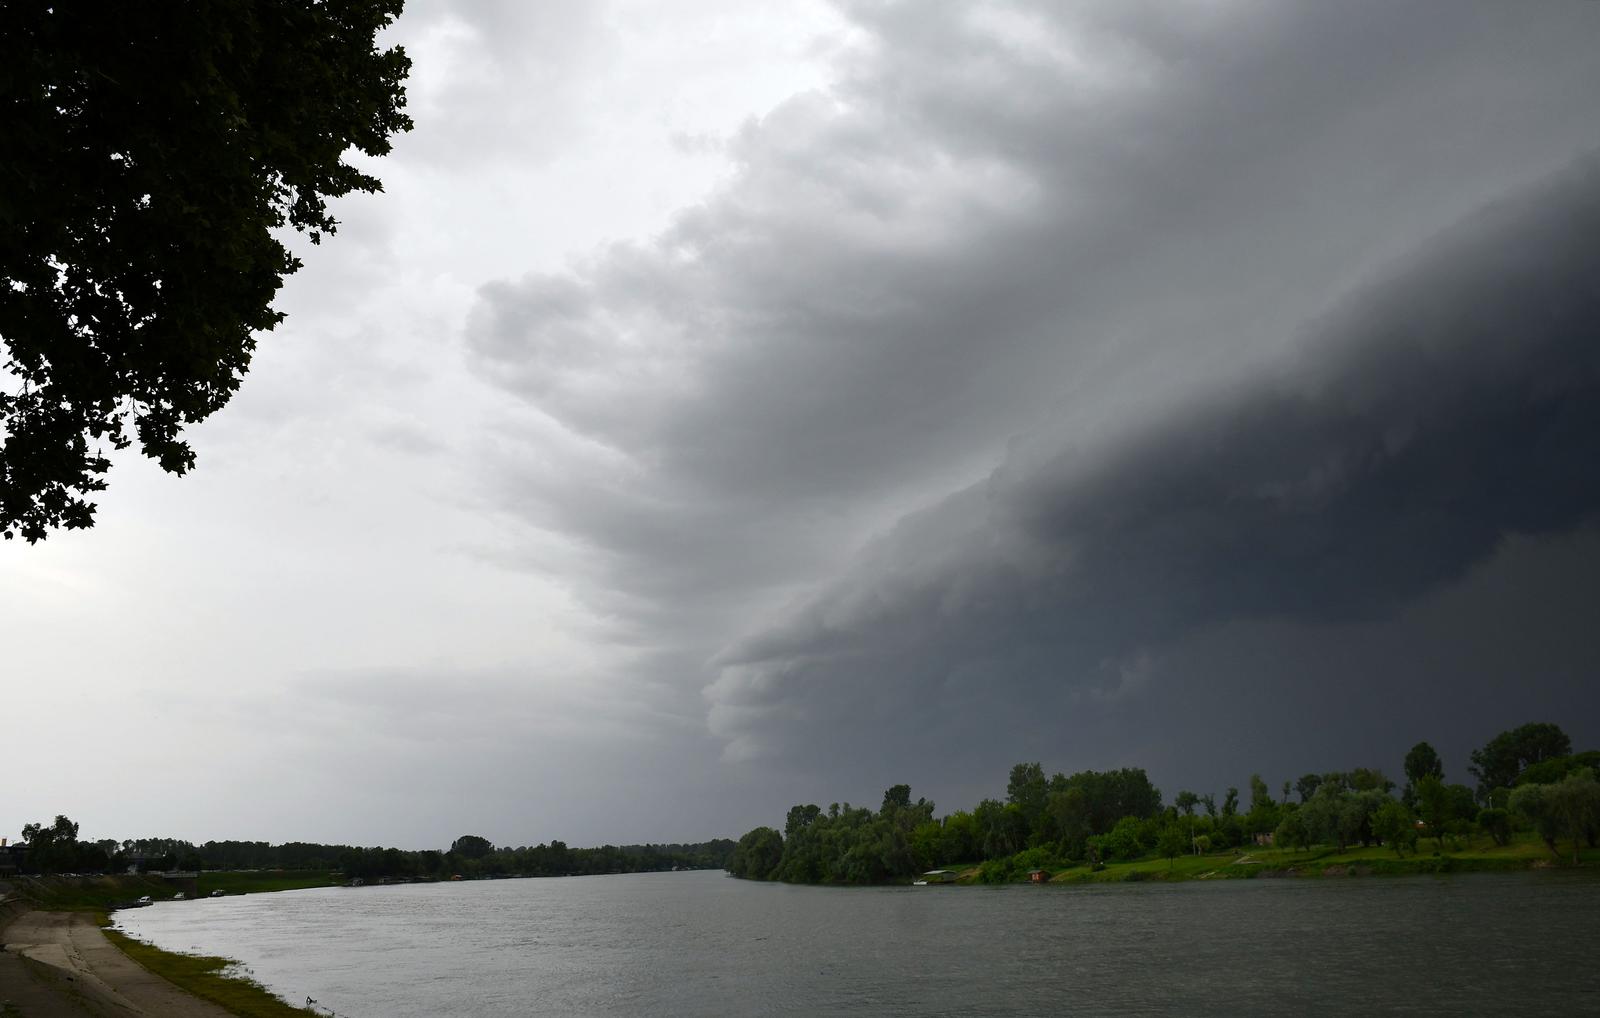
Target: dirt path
point(59, 965)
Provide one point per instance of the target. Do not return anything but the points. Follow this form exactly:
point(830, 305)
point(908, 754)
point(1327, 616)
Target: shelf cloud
point(1049, 340)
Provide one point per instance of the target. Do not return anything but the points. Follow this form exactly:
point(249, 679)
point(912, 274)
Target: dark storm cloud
point(1432, 416)
point(1049, 220)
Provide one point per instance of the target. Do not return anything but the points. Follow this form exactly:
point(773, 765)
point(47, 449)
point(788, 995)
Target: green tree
point(152, 152)
point(1307, 786)
point(1260, 795)
point(896, 797)
point(1366, 779)
point(1264, 813)
point(927, 842)
point(1535, 804)
point(959, 839)
point(1123, 840)
point(52, 848)
point(801, 817)
point(1421, 762)
point(1068, 810)
point(1436, 805)
point(1230, 804)
point(1186, 801)
point(1110, 795)
point(1393, 825)
point(1356, 813)
point(1575, 800)
point(1553, 769)
point(1026, 789)
point(1002, 827)
point(1499, 763)
point(758, 855)
point(1171, 843)
point(1291, 832)
point(1496, 823)
point(1321, 814)
point(470, 846)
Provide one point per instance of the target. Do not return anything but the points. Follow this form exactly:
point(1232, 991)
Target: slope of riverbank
point(67, 966)
point(1525, 852)
point(58, 961)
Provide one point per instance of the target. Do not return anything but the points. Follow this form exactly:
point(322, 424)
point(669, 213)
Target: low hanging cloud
point(1125, 231)
point(1430, 417)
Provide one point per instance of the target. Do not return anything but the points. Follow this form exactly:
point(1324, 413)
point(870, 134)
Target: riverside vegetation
point(62, 873)
point(1534, 802)
point(240, 866)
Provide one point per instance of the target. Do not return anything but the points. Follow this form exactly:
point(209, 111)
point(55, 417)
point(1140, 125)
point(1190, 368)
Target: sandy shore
point(60, 965)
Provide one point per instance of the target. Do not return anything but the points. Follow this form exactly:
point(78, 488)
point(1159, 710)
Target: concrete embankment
point(60, 965)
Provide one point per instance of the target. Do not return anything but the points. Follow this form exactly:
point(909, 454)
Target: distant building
point(11, 857)
point(1038, 876)
point(144, 862)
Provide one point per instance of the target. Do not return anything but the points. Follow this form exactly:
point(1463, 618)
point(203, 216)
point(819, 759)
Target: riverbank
point(60, 960)
point(62, 964)
point(1524, 852)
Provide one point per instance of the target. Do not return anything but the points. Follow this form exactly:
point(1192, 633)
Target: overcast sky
point(731, 405)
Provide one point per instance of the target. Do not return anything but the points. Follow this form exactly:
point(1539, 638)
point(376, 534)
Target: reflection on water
point(701, 943)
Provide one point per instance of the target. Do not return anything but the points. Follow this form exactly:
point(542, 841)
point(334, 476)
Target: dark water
point(701, 943)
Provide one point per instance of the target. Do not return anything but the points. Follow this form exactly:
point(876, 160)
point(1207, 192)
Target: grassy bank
point(203, 977)
point(89, 894)
point(206, 978)
point(258, 881)
point(103, 893)
point(1525, 852)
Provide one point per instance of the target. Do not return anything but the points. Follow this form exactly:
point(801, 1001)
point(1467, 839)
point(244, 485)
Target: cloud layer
point(1048, 338)
point(1429, 418)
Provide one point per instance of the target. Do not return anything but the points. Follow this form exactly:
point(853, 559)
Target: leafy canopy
point(1499, 763)
point(151, 151)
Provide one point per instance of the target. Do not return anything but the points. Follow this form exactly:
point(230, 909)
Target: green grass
point(201, 976)
point(1475, 856)
point(205, 977)
point(81, 894)
point(258, 881)
point(90, 894)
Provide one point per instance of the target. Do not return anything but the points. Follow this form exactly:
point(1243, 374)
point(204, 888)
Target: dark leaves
point(150, 152)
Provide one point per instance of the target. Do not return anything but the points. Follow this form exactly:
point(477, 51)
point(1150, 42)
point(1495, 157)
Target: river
point(704, 944)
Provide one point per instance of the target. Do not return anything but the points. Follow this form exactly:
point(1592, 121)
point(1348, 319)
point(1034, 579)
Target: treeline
point(1526, 779)
point(55, 848)
point(471, 856)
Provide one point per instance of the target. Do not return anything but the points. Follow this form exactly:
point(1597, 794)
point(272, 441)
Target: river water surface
point(704, 944)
